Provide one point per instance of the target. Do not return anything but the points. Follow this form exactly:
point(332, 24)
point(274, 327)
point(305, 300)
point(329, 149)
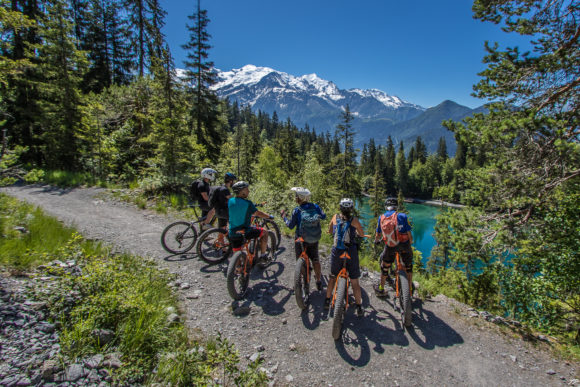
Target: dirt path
point(445, 347)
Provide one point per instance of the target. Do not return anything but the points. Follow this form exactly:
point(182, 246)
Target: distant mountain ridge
point(309, 99)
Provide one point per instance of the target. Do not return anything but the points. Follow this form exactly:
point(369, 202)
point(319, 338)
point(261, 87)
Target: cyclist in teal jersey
point(241, 211)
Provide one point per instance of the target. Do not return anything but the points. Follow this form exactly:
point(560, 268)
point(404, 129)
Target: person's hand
point(283, 213)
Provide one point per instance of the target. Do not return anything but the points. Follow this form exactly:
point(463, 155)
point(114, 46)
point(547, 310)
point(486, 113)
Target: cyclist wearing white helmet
point(306, 218)
point(203, 187)
point(345, 227)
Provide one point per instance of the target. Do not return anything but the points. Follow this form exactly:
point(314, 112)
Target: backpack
point(342, 236)
point(389, 229)
point(212, 199)
point(310, 229)
point(194, 192)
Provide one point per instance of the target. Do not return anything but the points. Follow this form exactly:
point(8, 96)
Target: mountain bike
point(243, 261)
point(339, 301)
point(213, 245)
point(269, 225)
point(180, 237)
point(402, 289)
point(302, 277)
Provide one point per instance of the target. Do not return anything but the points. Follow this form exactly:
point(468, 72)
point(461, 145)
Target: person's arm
point(261, 214)
point(331, 225)
point(358, 227)
point(205, 196)
point(322, 214)
point(378, 233)
point(293, 221)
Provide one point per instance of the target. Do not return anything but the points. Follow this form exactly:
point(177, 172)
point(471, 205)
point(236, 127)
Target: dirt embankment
point(448, 344)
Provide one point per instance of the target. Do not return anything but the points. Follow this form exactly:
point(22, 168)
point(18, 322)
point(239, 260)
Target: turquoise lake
point(422, 220)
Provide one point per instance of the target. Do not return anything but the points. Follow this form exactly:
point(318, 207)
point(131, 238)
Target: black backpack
point(194, 192)
point(213, 196)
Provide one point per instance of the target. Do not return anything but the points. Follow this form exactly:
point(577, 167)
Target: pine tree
point(201, 73)
point(402, 171)
point(442, 150)
point(347, 162)
point(390, 167)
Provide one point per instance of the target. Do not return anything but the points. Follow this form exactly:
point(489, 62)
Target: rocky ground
point(449, 343)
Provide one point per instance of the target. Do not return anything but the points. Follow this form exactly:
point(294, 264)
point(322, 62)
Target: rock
point(514, 359)
point(24, 381)
point(74, 372)
point(543, 338)
point(255, 356)
point(170, 310)
point(574, 382)
point(242, 311)
point(103, 336)
point(292, 347)
point(184, 286)
point(48, 370)
point(259, 348)
point(551, 372)
point(46, 327)
point(113, 360)
point(94, 361)
point(473, 314)
point(173, 318)
point(289, 378)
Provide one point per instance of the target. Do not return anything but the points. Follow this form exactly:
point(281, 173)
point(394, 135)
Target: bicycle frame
point(400, 267)
point(304, 256)
point(249, 262)
point(342, 273)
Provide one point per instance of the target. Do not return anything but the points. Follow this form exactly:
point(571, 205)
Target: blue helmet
point(230, 177)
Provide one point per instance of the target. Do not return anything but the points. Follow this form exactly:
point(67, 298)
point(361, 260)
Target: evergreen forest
point(90, 88)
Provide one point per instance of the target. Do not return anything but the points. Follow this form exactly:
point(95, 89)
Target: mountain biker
point(207, 175)
point(404, 239)
point(311, 211)
point(241, 211)
point(222, 196)
point(345, 227)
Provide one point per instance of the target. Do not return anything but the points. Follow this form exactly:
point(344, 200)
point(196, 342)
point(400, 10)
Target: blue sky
point(422, 51)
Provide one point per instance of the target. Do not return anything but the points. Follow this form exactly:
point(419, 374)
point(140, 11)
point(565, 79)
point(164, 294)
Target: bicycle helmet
point(208, 173)
point(239, 186)
point(301, 193)
point(346, 204)
point(391, 203)
point(230, 177)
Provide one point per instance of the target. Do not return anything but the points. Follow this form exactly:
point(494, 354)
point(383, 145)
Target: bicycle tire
point(179, 237)
point(270, 250)
point(210, 250)
point(405, 299)
point(270, 225)
point(339, 308)
point(237, 282)
point(301, 284)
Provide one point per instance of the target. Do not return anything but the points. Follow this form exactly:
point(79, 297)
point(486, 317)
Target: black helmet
point(391, 202)
point(240, 185)
point(230, 177)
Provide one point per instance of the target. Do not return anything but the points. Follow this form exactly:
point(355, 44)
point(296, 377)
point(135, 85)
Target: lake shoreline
point(435, 203)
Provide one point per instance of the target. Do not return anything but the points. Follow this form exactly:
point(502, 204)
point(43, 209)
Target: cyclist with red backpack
point(306, 218)
point(394, 229)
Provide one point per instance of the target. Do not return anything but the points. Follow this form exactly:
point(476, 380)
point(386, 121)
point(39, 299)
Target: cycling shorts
point(352, 264)
point(311, 250)
point(405, 251)
point(237, 240)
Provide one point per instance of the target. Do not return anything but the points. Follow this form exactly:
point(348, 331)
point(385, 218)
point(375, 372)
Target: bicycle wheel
point(270, 250)
point(301, 284)
point(270, 225)
point(178, 237)
point(211, 249)
point(339, 308)
point(405, 299)
point(236, 279)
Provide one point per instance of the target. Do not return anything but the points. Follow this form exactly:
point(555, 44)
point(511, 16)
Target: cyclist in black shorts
point(207, 176)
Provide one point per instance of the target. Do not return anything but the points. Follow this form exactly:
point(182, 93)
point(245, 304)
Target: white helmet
point(346, 204)
point(208, 173)
point(301, 193)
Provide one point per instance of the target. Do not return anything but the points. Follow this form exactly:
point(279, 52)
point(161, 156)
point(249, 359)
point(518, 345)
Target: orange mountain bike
point(339, 302)
point(402, 291)
point(243, 261)
point(302, 277)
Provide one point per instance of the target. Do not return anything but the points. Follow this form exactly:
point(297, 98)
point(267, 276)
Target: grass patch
point(123, 294)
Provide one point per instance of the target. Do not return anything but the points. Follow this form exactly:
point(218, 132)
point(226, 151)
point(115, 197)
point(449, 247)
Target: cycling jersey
point(240, 212)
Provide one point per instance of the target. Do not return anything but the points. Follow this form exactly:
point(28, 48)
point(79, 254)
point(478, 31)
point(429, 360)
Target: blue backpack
point(310, 229)
point(342, 237)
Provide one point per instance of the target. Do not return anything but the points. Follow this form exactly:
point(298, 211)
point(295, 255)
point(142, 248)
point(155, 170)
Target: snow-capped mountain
point(308, 99)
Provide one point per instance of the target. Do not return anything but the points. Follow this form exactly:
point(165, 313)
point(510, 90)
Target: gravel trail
point(449, 344)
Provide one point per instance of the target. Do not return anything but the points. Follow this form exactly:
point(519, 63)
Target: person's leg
point(312, 250)
point(209, 217)
point(356, 291)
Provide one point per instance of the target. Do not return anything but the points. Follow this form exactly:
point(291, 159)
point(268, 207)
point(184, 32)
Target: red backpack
point(389, 229)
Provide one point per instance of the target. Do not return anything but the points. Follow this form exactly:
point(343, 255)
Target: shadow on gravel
point(263, 290)
point(429, 331)
point(314, 313)
point(41, 188)
point(179, 257)
point(215, 268)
